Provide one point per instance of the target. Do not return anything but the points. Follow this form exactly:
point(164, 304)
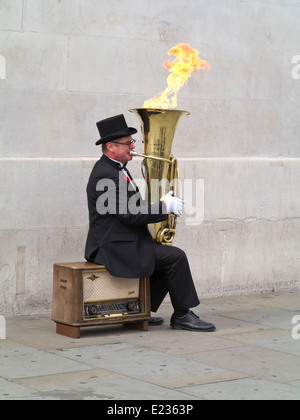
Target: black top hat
point(113, 128)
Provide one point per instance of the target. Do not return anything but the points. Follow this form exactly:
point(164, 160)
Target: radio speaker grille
point(105, 287)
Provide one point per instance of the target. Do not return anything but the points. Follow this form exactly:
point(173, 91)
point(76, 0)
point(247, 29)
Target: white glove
point(173, 204)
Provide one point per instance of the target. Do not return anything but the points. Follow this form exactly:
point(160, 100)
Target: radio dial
point(92, 310)
point(132, 306)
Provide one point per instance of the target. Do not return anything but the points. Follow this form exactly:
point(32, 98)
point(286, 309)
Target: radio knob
point(92, 310)
point(132, 306)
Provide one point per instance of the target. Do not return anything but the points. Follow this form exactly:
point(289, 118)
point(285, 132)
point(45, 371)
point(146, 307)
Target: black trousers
point(172, 275)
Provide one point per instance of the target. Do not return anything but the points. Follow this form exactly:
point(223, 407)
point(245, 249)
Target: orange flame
point(181, 69)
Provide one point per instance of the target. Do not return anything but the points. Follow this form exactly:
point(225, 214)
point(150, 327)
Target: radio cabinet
point(86, 294)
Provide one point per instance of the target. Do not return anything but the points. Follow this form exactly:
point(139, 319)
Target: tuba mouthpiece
point(150, 157)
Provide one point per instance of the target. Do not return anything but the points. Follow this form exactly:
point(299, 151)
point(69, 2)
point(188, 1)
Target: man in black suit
point(118, 236)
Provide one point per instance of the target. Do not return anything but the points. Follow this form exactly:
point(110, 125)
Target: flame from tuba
point(159, 167)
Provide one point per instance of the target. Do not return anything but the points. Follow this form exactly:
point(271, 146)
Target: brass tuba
point(159, 167)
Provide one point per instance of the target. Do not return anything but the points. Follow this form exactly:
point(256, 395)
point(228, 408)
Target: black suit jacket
point(117, 238)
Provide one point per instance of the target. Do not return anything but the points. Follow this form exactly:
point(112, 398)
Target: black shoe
point(155, 321)
point(191, 322)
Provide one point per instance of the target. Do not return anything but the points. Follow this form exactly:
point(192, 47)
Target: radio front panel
point(109, 296)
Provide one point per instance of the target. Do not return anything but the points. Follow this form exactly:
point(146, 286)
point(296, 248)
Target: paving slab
point(23, 362)
point(245, 389)
point(256, 361)
point(266, 317)
point(289, 300)
point(12, 390)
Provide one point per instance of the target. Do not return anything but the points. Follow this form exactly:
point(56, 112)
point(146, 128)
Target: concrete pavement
point(254, 354)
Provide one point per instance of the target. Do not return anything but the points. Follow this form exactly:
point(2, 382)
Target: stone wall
point(69, 63)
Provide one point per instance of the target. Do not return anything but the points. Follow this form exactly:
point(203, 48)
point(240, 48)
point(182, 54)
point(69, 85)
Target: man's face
point(120, 149)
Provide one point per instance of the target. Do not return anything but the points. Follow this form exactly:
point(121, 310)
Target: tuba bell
point(159, 167)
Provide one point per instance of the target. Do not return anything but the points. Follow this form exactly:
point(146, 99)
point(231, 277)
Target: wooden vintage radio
point(86, 294)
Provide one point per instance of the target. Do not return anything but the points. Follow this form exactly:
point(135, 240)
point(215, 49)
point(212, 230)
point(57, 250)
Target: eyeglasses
point(127, 143)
